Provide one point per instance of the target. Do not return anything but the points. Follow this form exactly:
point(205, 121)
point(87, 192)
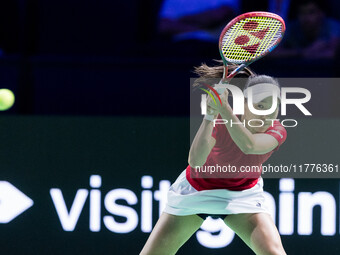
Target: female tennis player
point(238, 201)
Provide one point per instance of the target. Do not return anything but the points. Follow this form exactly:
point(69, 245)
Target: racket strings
point(250, 38)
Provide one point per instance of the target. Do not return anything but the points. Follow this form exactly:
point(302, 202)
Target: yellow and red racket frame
point(249, 37)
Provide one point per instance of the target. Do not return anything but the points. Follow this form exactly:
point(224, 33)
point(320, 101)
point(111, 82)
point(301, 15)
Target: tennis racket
point(247, 38)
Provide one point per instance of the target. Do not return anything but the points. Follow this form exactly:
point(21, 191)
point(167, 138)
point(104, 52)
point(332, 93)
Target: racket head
point(250, 36)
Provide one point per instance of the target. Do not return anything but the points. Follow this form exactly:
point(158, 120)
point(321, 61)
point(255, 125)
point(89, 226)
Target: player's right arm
point(201, 145)
point(203, 141)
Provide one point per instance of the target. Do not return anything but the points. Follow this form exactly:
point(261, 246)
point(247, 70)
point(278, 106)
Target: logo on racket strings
point(242, 40)
point(250, 38)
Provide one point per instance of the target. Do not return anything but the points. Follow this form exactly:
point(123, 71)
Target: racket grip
point(219, 87)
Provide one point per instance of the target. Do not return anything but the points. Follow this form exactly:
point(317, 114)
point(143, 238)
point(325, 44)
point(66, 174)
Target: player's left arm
point(251, 143)
point(247, 142)
point(262, 144)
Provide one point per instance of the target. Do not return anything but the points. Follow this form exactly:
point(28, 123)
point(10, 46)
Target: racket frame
point(247, 63)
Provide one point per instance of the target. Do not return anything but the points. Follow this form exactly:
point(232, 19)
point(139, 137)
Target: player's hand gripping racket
point(247, 38)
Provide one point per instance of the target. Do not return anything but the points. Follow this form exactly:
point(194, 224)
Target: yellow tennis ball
point(6, 99)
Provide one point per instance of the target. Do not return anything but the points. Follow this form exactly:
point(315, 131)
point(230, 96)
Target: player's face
point(265, 104)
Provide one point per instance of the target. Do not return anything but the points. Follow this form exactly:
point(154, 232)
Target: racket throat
point(225, 74)
point(226, 78)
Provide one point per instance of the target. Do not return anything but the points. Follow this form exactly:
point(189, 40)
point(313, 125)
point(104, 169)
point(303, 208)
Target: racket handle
point(219, 87)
